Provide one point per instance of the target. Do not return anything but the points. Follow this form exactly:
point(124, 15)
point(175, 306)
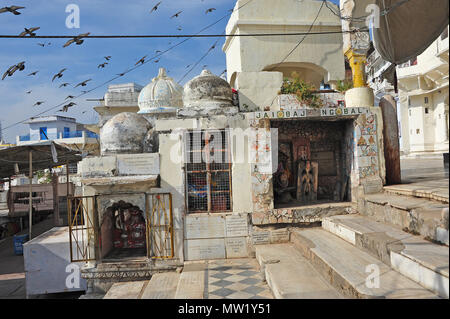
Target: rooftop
point(50, 118)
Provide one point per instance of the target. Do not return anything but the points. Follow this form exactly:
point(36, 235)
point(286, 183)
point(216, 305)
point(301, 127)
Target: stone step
point(433, 190)
point(192, 281)
point(162, 286)
point(126, 290)
point(420, 260)
point(355, 273)
point(419, 216)
point(290, 276)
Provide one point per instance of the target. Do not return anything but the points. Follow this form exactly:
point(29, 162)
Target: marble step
point(355, 273)
point(290, 276)
point(162, 286)
point(420, 216)
point(126, 290)
point(428, 191)
point(420, 260)
point(192, 281)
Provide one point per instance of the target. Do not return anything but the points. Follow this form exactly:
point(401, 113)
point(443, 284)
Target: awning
point(409, 27)
point(44, 155)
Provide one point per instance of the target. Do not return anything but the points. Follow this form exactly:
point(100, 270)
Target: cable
point(304, 37)
point(384, 12)
point(173, 36)
point(130, 70)
point(300, 42)
point(197, 63)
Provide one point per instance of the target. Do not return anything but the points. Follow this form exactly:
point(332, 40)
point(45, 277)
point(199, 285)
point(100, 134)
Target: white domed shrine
point(161, 95)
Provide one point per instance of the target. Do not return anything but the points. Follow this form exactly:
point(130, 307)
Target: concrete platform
point(192, 281)
point(290, 275)
point(417, 215)
point(126, 290)
point(352, 270)
point(434, 189)
point(162, 286)
point(420, 260)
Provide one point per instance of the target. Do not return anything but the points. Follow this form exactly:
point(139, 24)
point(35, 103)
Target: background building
point(423, 96)
point(61, 129)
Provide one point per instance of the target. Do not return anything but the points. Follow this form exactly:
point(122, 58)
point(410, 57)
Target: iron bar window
point(208, 171)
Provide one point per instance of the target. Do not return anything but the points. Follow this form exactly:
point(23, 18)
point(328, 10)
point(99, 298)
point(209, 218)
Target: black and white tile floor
point(235, 279)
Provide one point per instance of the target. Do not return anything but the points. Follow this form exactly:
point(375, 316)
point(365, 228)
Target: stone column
point(391, 140)
point(356, 46)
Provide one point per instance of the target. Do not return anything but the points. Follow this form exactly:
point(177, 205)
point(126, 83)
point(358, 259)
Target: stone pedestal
point(359, 97)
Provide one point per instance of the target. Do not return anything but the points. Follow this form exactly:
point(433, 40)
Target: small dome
point(124, 133)
point(161, 95)
point(207, 91)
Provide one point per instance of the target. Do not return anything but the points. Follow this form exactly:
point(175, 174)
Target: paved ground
point(419, 170)
point(235, 279)
point(12, 276)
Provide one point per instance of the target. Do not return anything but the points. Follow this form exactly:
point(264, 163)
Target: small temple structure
point(191, 174)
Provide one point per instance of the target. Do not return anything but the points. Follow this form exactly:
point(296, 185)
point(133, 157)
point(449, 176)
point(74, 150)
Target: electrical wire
point(131, 69)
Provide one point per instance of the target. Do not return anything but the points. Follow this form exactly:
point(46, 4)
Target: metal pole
point(30, 201)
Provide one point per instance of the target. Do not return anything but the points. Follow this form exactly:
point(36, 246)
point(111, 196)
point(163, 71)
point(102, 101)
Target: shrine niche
point(312, 162)
point(123, 232)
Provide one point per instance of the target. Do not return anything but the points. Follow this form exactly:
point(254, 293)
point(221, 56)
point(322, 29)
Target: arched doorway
point(123, 232)
point(308, 72)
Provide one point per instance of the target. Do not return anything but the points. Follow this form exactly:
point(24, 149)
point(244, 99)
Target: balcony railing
point(24, 138)
point(65, 135)
point(72, 134)
point(408, 63)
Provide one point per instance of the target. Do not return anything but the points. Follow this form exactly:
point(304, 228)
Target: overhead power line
point(130, 69)
point(176, 36)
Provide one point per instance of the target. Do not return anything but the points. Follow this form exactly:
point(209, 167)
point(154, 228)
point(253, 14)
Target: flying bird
point(176, 15)
point(59, 74)
point(70, 97)
point(107, 58)
point(179, 28)
point(83, 83)
point(33, 73)
point(38, 103)
point(78, 39)
point(17, 67)
point(29, 92)
point(155, 7)
point(210, 10)
point(64, 85)
point(157, 51)
point(29, 32)
point(66, 107)
point(12, 9)
point(102, 65)
point(142, 60)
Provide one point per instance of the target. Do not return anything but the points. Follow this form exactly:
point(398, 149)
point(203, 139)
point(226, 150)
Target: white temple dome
point(161, 95)
point(207, 91)
point(124, 133)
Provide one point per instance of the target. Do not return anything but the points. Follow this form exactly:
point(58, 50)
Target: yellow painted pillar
point(357, 62)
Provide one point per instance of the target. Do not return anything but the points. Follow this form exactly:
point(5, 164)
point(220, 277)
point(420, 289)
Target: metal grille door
point(159, 225)
point(81, 228)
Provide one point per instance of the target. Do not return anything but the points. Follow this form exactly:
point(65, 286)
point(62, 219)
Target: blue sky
point(99, 17)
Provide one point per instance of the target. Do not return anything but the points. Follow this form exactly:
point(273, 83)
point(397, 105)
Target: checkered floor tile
point(236, 279)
